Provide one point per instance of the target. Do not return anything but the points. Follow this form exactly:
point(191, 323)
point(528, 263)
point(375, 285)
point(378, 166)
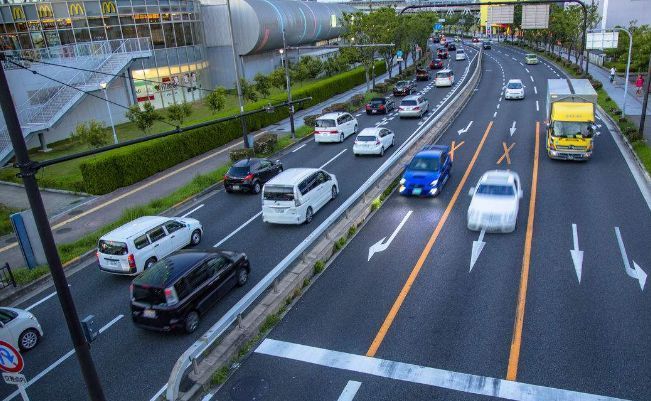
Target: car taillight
point(381, 107)
point(377, 142)
point(225, 177)
point(368, 106)
point(132, 260)
point(333, 131)
point(170, 296)
point(131, 291)
point(401, 108)
point(97, 255)
point(416, 108)
point(248, 177)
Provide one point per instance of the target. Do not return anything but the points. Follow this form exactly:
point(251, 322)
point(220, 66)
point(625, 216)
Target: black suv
point(451, 46)
point(486, 45)
point(251, 174)
point(175, 291)
point(403, 88)
point(380, 105)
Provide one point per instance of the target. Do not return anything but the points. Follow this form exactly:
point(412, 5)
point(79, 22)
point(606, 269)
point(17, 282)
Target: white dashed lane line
point(537, 106)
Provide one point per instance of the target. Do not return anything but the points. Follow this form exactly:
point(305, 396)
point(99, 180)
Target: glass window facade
point(178, 67)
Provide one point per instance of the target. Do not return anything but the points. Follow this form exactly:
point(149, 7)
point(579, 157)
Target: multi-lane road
point(132, 363)
point(553, 311)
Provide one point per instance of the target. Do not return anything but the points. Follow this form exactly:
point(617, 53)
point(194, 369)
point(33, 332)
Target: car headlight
point(402, 181)
point(433, 183)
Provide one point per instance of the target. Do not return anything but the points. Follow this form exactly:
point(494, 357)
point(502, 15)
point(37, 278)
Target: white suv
point(135, 246)
point(334, 127)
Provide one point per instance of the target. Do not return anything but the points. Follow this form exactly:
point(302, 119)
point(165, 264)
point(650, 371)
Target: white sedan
point(495, 202)
point(514, 89)
point(19, 328)
point(373, 141)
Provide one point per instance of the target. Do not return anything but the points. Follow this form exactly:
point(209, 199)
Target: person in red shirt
point(639, 83)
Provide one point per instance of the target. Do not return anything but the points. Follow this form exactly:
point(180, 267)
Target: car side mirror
point(520, 193)
point(277, 162)
point(471, 192)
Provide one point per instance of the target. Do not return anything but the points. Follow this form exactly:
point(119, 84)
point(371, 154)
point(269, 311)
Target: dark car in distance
point(403, 88)
point(250, 174)
point(442, 53)
point(380, 105)
point(177, 290)
point(422, 74)
point(486, 45)
point(451, 46)
point(436, 64)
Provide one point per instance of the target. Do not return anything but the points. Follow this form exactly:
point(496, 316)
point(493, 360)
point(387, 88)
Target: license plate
point(149, 313)
point(416, 191)
point(112, 262)
point(236, 187)
point(373, 111)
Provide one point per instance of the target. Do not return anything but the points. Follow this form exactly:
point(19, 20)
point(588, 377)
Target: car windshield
point(377, 101)
point(238, 171)
point(112, 248)
point(571, 129)
point(495, 190)
point(514, 85)
point(278, 193)
point(402, 83)
point(459, 51)
point(424, 164)
point(325, 123)
point(441, 75)
point(365, 138)
point(408, 103)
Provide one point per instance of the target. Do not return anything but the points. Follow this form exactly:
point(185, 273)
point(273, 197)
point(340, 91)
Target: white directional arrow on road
point(636, 272)
point(464, 130)
point(577, 256)
point(477, 247)
point(382, 245)
point(512, 129)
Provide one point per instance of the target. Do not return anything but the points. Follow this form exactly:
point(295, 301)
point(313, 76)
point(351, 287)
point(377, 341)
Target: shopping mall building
point(134, 51)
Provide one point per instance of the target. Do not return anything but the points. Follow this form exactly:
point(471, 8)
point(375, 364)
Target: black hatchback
point(380, 105)
point(250, 174)
point(177, 290)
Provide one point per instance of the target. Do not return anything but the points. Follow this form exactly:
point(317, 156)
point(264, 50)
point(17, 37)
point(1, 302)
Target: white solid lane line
point(331, 160)
point(246, 223)
point(298, 148)
point(537, 106)
point(349, 391)
point(463, 382)
point(59, 361)
point(192, 211)
point(37, 303)
point(159, 393)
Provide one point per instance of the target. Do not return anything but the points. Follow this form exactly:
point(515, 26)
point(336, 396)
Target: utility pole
point(245, 130)
point(289, 87)
point(647, 88)
point(28, 174)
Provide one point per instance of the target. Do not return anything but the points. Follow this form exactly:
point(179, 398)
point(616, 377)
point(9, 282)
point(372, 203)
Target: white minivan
point(334, 127)
point(135, 246)
point(444, 78)
point(293, 196)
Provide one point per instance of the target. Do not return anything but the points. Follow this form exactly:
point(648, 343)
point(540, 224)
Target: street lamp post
point(104, 85)
point(245, 130)
point(283, 53)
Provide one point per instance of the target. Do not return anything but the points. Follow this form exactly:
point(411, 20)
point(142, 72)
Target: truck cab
point(570, 119)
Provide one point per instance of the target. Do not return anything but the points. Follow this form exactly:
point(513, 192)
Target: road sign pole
point(28, 174)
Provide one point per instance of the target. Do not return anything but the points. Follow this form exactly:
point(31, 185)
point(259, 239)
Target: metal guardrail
point(196, 350)
point(6, 277)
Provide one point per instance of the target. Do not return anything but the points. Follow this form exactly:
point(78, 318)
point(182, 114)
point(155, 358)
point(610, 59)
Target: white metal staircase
point(46, 106)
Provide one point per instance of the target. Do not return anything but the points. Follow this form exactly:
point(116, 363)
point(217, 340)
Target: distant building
point(622, 12)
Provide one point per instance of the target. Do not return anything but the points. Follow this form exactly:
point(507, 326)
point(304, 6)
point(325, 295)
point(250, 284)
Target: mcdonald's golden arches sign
point(45, 11)
point(18, 13)
point(108, 7)
point(76, 9)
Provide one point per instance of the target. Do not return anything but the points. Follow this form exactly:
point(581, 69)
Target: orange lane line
point(516, 342)
point(388, 321)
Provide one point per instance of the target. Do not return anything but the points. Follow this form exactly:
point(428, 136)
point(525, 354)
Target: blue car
point(427, 172)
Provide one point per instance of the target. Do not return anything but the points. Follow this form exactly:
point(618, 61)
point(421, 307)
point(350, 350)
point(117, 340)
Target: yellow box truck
point(570, 119)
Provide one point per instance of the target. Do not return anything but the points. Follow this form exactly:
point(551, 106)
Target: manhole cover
point(249, 388)
point(63, 230)
point(75, 212)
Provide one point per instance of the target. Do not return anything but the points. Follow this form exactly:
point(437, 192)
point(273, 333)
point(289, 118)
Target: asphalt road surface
point(134, 364)
point(416, 322)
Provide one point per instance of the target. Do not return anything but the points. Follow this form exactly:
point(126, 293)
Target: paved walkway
point(14, 196)
point(94, 214)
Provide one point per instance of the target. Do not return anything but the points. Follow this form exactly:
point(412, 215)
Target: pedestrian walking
point(639, 83)
point(612, 74)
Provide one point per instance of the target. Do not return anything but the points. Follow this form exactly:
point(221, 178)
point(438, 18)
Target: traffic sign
point(438, 27)
point(14, 378)
point(399, 55)
point(10, 359)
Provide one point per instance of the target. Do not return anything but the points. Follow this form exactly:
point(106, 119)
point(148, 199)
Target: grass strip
point(5, 224)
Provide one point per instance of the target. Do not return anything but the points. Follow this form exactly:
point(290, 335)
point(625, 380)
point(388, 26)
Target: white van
point(444, 78)
point(135, 246)
point(293, 196)
point(334, 127)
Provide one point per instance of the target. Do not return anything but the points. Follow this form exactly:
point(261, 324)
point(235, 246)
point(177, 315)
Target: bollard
point(195, 366)
point(275, 286)
point(239, 322)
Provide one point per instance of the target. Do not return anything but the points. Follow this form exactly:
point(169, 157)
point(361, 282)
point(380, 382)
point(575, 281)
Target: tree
point(262, 84)
point(216, 100)
point(248, 90)
point(277, 78)
point(179, 112)
point(312, 65)
point(93, 134)
point(143, 118)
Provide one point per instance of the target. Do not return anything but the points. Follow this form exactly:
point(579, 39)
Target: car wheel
point(334, 192)
point(257, 187)
point(341, 137)
point(308, 215)
point(242, 277)
point(393, 141)
point(195, 238)
point(150, 262)
point(382, 151)
point(191, 322)
point(230, 191)
point(28, 339)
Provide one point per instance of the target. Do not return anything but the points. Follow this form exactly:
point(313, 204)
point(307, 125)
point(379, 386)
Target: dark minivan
point(250, 174)
point(178, 289)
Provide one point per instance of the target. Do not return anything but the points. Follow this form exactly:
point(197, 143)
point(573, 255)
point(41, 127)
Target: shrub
point(92, 134)
point(381, 88)
point(616, 111)
point(239, 154)
point(351, 231)
point(265, 143)
point(336, 107)
point(356, 100)
point(596, 84)
point(310, 120)
point(319, 266)
point(632, 134)
point(179, 112)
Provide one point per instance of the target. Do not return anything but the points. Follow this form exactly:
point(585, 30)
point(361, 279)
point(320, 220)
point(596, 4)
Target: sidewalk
point(96, 213)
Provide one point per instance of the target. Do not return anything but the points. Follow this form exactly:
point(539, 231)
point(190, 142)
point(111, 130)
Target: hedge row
point(122, 167)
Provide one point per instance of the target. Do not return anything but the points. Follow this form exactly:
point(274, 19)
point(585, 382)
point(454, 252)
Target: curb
point(52, 190)
point(301, 275)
